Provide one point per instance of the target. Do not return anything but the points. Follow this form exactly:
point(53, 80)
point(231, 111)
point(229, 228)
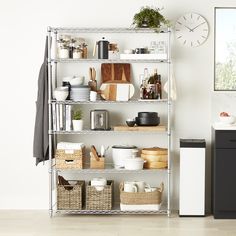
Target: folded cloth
point(41, 139)
point(69, 145)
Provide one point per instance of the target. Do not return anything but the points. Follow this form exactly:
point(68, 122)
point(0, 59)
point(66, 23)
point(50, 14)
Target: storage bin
point(70, 197)
point(99, 200)
point(97, 164)
point(141, 200)
point(70, 159)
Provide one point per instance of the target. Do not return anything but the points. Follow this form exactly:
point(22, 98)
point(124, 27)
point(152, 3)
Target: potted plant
point(77, 120)
point(149, 17)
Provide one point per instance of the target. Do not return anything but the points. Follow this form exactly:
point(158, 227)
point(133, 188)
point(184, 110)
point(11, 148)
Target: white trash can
point(192, 177)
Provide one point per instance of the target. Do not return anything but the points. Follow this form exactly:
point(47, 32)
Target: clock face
point(191, 30)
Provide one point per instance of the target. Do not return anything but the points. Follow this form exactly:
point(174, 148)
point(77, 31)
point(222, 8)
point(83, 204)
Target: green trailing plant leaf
point(77, 115)
point(149, 17)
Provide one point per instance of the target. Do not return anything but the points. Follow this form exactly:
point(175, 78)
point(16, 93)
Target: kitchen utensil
point(77, 80)
point(99, 120)
point(120, 153)
point(103, 48)
point(94, 152)
point(134, 163)
point(130, 123)
point(117, 92)
point(159, 128)
point(102, 152)
point(130, 187)
point(147, 114)
point(61, 93)
point(145, 121)
point(115, 72)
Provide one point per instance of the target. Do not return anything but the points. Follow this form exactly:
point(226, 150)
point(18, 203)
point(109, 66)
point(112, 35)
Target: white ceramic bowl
point(134, 163)
point(61, 95)
point(227, 119)
point(128, 51)
point(78, 80)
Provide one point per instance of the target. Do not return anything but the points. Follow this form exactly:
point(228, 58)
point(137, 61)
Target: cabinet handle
point(232, 140)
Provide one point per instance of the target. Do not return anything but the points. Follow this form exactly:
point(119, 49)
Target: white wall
point(23, 27)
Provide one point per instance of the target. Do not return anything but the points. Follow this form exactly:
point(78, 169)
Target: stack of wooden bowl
point(156, 158)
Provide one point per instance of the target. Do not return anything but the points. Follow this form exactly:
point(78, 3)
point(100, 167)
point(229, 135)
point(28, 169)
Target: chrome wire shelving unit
point(52, 75)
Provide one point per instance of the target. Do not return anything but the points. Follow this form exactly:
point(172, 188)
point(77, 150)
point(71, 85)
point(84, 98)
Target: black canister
point(103, 46)
point(67, 84)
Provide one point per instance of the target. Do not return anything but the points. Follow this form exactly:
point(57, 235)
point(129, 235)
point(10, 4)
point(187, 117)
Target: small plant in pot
point(77, 120)
point(149, 17)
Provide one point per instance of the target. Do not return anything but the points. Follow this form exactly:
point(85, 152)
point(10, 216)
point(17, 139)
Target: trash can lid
point(194, 143)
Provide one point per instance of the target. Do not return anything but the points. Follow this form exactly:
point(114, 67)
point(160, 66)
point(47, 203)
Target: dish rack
point(53, 61)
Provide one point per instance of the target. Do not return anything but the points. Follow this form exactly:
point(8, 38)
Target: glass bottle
point(141, 89)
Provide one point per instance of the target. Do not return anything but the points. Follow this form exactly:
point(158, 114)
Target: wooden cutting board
point(140, 128)
point(117, 91)
point(115, 73)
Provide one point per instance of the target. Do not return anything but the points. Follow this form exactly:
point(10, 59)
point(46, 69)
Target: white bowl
point(134, 163)
point(61, 95)
point(79, 80)
point(227, 119)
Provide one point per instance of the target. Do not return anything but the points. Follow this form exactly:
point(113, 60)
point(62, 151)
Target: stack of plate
point(156, 158)
point(80, 93)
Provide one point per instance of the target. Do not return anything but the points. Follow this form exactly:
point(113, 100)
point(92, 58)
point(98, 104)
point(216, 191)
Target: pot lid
point(124, 147)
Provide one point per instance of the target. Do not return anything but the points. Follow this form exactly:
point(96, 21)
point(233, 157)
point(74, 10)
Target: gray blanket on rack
point(41, 139)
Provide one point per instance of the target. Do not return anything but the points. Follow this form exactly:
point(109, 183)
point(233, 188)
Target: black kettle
point(103, 48)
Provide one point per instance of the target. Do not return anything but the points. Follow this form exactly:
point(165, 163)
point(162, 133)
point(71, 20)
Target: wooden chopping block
point(115, 73)
point(153, 158)
point(155, 151)
point(155, 165)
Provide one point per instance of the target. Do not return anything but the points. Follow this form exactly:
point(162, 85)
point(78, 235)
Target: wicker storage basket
point(94, 164)
point(70, 159)
point(141, 198)
point(70, 197)
point(99, 200)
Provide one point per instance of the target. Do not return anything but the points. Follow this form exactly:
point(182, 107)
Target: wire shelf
point(107, 30)
point(138, 101)
point(105, 132)
point(95, 60)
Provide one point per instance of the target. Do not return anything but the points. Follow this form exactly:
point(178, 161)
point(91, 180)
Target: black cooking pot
point(147, 121)
point(147, 114)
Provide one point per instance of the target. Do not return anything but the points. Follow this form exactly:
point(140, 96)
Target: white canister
point(122, 152)
point(77, 54)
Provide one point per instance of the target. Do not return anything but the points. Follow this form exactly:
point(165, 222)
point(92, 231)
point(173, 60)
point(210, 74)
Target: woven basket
point(70, 197)
point(141, 198)
point(69, 159)
point(99, 200)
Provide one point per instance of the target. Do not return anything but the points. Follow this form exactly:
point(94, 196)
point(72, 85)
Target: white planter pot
point(77, 125)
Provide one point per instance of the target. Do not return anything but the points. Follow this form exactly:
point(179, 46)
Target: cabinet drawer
point(225, 139)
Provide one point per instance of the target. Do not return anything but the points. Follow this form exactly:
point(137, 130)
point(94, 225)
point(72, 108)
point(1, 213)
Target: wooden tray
point(140, 128)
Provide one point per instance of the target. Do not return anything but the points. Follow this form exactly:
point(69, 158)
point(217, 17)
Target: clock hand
point(187, 28)
point(197, 26)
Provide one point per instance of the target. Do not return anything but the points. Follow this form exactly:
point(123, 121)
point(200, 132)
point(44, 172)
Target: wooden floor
point(35, 223)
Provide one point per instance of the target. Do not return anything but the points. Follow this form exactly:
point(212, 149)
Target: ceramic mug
point(130, 187)
point(93, 96)
point(99, 183)
point(141, 185)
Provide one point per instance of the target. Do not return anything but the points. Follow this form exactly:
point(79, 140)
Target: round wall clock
point(191, 30)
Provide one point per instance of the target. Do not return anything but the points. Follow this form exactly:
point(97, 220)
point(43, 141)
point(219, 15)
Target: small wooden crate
point(95, 164)
point(70, 197)
point(70, 159)
point(99, 200)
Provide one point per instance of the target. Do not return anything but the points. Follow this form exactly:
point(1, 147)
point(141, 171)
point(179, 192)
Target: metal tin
point(99, 120)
